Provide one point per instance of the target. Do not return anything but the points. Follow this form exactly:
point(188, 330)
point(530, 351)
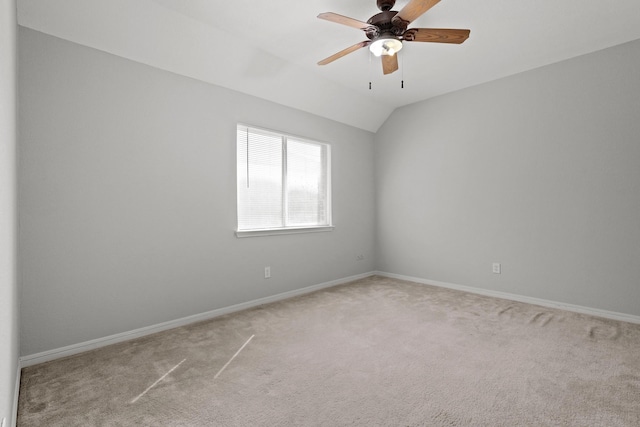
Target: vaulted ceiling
point(270, 49)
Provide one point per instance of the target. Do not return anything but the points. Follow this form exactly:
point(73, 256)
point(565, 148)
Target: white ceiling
point(270, 48)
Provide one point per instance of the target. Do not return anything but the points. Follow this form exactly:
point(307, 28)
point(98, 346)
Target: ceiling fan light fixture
point(385, 46)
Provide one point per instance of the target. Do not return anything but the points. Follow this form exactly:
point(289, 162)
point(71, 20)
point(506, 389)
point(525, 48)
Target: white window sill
point(276, 231)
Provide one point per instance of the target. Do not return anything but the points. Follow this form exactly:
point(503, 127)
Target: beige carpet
point(376, 352)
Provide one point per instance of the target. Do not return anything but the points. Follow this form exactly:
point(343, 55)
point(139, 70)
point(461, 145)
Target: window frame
point(286, 229)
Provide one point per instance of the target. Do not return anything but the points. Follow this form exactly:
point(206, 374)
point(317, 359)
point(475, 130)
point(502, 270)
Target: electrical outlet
point(267, 272)
point(497, 269)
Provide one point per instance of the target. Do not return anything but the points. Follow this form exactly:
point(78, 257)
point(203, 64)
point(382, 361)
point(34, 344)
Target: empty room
point(319, 213)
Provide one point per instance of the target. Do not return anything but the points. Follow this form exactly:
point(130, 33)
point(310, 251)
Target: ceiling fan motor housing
point(383, 25)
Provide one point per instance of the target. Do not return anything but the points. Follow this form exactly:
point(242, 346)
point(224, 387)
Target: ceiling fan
point(387, 30)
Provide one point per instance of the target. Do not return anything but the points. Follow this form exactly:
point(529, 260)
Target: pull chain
point(369, 70)
point(402, 81)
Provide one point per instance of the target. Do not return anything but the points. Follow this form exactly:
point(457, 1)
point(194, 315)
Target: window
point(283, 183)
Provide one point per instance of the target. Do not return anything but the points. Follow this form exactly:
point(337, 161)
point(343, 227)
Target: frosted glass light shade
point(388, 46)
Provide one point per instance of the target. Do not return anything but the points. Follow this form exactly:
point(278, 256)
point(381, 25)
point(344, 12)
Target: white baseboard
point(16, 393)
point(70, 350)
point(520, 298)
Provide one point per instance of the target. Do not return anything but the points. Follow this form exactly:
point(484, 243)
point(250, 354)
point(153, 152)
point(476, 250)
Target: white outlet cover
point(497, 268)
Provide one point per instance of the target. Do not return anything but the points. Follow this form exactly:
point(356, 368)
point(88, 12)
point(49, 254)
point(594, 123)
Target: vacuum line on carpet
point(159, 379)
point(233, 357)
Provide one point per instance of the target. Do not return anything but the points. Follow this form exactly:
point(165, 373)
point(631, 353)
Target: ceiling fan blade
point(436, 35)
point(411, 11)
point(344, 52)
point(344, 20)
point(389, 63)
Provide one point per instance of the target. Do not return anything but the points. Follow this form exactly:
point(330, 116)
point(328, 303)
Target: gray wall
point(127, 197)
point(8, 284)
point(539, 171)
